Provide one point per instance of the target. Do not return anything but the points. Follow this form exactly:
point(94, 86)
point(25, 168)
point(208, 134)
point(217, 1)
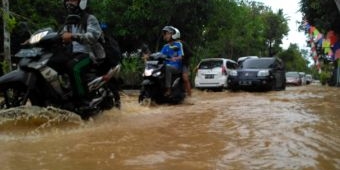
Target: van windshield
point(210, 64)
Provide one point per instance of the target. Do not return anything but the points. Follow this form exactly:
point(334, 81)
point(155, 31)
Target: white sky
point(291, 11)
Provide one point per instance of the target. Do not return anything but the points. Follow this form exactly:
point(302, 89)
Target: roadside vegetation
point(227, 28)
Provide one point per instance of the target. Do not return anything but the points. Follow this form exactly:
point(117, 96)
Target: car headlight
point(233, 73)
point(263, 73)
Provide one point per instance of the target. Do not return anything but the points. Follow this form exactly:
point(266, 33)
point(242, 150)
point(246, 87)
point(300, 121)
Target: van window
point(231, 65)
point(210, 64)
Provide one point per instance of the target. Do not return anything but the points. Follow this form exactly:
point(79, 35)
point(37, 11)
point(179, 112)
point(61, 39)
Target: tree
point(276, 27)
point(140, 21)
point(293, 59)
point(322, 14)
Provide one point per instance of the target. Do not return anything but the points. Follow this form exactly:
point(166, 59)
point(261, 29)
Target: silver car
point(309, 78)
point(212, 73)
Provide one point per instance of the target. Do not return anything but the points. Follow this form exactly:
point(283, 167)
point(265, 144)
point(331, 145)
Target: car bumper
point(260, 82)
point(211, 83)
point(293, 83)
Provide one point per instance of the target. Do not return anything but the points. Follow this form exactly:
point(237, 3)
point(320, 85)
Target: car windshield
point(210, 64)
point(257, 63)
point(292, 74)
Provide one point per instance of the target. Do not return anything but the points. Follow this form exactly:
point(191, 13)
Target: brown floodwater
point(298, 128)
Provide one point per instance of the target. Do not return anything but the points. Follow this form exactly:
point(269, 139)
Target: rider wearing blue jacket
point(174, 50)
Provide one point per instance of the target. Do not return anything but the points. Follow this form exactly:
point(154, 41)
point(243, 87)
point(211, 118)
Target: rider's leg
point(79, 65)
point(169, 71)
point(186, 80)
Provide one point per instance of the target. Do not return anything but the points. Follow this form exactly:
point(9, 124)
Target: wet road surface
point(293, 129)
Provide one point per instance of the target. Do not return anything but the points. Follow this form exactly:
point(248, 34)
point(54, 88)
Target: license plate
point(245, 83)
point(209, 76)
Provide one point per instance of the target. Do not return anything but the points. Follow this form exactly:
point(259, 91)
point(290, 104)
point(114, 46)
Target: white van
point(212, 73)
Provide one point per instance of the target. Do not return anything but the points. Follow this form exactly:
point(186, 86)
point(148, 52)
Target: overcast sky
point(290, 9)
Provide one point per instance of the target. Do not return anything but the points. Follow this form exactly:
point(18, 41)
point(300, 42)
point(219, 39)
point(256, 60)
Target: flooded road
point(293, 129)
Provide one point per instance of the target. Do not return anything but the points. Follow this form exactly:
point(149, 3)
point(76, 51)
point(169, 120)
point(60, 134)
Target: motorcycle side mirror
point(23, 32)
point(23, 29)
point(145, 49)
point(72, 19)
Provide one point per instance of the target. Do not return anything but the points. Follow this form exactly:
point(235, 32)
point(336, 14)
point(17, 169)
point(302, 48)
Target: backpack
point(113, 55)
point(112, 50)
point(188, 53)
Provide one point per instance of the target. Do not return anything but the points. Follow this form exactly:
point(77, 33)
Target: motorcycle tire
point(13, 97)
point(107, 103)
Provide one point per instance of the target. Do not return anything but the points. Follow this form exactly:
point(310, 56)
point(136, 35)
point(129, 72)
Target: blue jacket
point(169, 50)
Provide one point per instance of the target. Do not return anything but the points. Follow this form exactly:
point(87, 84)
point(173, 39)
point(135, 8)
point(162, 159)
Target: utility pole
point(337, 2)
point(7, 36)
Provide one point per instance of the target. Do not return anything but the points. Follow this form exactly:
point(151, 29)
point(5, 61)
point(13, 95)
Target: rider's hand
point(67, 37)
point(174, 58)
point(145, 56)
point(25, 43)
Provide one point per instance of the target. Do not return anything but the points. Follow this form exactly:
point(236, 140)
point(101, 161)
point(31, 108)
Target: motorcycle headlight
point(233, 73)
point(158, 73)
point(263, 73)
point(37, 37)
point(148, 72)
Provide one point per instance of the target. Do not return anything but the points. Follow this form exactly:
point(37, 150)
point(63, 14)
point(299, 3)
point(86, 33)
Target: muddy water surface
point(293, 129)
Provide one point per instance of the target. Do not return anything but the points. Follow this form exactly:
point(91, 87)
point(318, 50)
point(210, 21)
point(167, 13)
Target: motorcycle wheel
point(107, 103)
point(13, 97)
point(144, 100)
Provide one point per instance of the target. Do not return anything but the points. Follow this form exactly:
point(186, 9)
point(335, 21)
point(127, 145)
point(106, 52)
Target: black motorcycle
point(153, 84)
point(36, 82)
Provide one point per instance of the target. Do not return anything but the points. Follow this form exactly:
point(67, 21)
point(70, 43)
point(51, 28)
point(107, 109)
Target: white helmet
point(177, 34)
point(82, 4)
point(174, 31)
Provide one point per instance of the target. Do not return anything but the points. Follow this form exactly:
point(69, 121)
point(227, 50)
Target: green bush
point(131, 73)
point(324, 77)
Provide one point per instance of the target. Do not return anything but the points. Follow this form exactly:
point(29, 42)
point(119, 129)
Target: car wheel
point(283, 87)
point(273, 85)
point(219, 89)
point(233, 88)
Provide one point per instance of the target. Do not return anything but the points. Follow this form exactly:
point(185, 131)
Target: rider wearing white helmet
point(174, 50)
point(187, 54)
point(81, 38)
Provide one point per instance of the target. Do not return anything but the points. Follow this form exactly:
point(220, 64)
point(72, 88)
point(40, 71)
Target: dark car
point(265, 73)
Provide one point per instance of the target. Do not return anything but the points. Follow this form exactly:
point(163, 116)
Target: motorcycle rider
point(187, 54)
point(174, 50)
point(82, 42)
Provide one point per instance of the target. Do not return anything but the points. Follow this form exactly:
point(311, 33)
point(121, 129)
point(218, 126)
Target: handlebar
point(159, 56)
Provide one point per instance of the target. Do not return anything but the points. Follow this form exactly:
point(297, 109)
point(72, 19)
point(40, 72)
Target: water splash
point(34, 119)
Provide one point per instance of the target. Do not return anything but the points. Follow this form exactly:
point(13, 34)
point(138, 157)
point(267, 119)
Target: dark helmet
point(174, 31)
point(82, 4)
